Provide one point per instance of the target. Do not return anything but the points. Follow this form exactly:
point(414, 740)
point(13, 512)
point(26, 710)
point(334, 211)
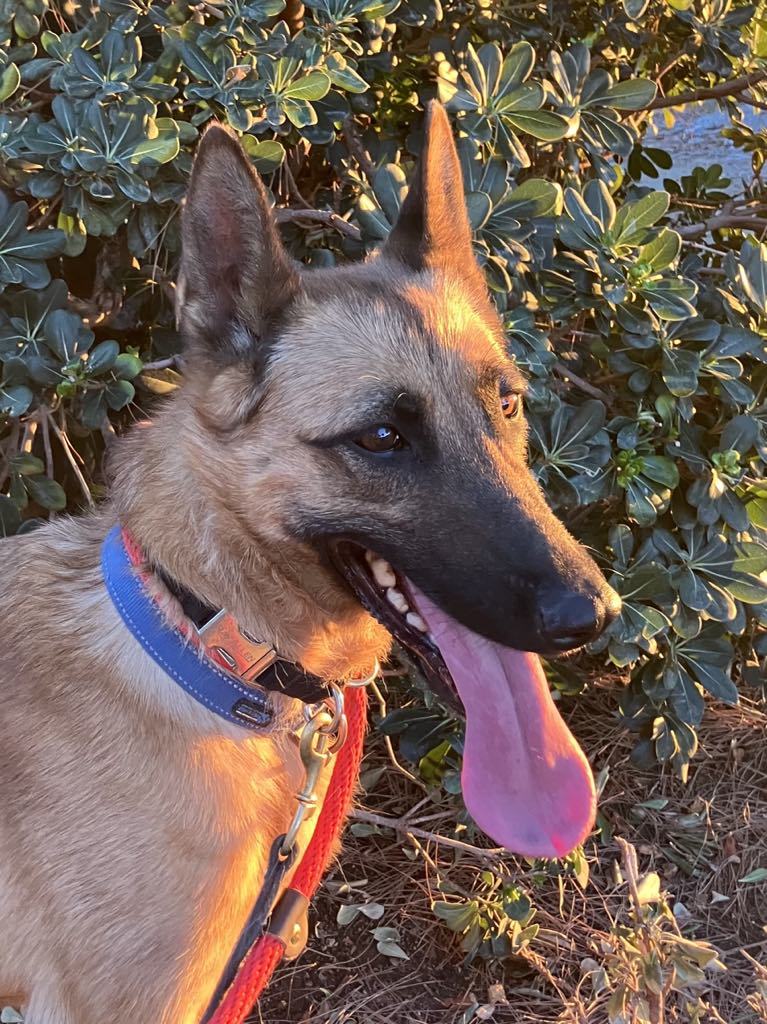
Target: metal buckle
point(235, 648)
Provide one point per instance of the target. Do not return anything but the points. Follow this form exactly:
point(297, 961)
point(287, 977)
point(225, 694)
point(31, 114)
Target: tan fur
point(135, 824)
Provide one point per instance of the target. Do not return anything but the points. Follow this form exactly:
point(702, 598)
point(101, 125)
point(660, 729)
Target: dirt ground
point(701, 838)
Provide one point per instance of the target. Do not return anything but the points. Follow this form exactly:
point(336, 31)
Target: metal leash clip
point(323, 734)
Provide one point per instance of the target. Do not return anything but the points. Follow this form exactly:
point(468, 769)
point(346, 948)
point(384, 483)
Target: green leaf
point(757, 512)
point(266, 154)
point(600, 202)
point(662, 251)
point(390, 187)
point(754, 877)
point(534, 198)
point(10, 80)
point(541, 124)
point(199, 63)
point(26, 464)
point(686, 699)
point(639, 505)
point(119, 393)
point(94, 409)
point(517, 905)
point(76, 237)
point(313, 86)
point(347, 913)
point(635, 8)
point(517, 66)
point(10, 517)
point(343, 75)
point(752, 273)
point(34, 245)
point(633, 94)
point(375, 9)
point(161, 144)
point(661, 470)
point(103, 356)
point(479, 206)
point(15, 400)
point(387, 942)
point(634, 219)
point(671, 297)
point(127, 366)
point(67, 335)
point(299, 112)
point(47, 493)
point(712, 678)
point(457, 916)
point(586, 222)
point(680, 369)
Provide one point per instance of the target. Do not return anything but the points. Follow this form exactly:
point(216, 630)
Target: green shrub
point(639, 313)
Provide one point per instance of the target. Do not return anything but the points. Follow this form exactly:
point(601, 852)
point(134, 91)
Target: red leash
point(256, 970)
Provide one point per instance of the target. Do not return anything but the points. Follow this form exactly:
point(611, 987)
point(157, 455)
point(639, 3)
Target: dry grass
point(710, 833)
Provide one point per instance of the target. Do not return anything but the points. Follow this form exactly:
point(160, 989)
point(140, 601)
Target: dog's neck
point(171, 491)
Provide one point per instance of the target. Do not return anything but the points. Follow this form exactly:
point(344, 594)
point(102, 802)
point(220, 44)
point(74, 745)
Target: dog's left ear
point(235, 273)
point(432, 231)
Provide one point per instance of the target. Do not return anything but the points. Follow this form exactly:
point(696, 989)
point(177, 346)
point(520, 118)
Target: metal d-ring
point(368, 679)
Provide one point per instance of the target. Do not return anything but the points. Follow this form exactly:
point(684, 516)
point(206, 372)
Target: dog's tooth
point(370, 556)
point(397, 599)
point(414, 619)
point(383, 573)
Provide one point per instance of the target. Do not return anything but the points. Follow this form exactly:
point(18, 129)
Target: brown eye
point(381, 439)
point(511, 405)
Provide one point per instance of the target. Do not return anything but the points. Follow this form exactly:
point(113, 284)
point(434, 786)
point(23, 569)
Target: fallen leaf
point(755, 876)
point(729, 846)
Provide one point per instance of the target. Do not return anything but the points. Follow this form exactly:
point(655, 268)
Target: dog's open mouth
point(525, 780)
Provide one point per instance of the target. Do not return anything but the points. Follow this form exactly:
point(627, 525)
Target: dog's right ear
point(433, 231)
point(235, 273)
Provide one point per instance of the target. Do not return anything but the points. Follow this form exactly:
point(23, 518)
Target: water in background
point(696, 140)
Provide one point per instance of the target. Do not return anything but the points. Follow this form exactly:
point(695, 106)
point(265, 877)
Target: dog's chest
point(245, 802)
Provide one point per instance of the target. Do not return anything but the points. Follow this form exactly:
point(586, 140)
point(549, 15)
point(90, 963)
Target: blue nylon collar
point(196, 674)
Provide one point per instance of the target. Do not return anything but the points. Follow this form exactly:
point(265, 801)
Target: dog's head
point(377, 414)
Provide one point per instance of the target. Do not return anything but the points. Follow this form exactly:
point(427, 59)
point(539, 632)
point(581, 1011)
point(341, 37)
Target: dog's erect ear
point(235, 273)
point(432, 231)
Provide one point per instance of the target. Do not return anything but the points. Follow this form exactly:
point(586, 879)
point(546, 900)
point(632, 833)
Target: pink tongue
point(525, 780)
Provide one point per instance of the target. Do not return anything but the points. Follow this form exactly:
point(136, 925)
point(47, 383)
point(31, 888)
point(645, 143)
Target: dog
point(344, 463)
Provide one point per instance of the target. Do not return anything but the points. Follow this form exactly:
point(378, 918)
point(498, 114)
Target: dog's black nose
point(569, 619)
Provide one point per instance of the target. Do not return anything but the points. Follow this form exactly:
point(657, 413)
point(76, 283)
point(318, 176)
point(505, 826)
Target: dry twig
point(401, 825)
point(324, 217)
point(69, 452)
point(356, 148)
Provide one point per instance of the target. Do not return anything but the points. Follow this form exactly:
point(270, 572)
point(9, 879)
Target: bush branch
point(715, 92)
point(324, 217)
point(66, 446)
point(160, 364)
point(403, 826)
point(10, 449)
point(356, 147)
point(569, 377)
point(723, 220)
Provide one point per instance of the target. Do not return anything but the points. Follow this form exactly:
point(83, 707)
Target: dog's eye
point(511, 404)
point(381, 439)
